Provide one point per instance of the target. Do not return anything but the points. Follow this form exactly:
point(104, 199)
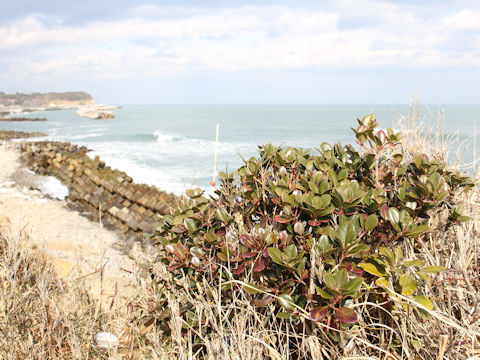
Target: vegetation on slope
point(301, 255)
point(46, 99)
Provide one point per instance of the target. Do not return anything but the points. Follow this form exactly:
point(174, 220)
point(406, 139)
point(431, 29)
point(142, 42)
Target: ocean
point(172, 146)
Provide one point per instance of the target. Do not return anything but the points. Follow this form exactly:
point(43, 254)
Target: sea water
point(172, 146)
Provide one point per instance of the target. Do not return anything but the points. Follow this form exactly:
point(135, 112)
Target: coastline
point(93, 111)
point(76, 245)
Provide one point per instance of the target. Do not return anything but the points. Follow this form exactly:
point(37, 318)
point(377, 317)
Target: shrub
point(310, 237)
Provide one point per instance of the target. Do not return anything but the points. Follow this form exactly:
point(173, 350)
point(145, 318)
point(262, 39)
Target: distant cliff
point(69, 98)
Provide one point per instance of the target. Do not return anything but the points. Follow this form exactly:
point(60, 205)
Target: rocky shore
point(97, 112)
point(11, 134)
point(99, 192)
point(21, 119)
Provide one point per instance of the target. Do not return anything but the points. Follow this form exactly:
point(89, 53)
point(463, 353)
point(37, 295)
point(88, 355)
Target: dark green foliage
point(311, 234)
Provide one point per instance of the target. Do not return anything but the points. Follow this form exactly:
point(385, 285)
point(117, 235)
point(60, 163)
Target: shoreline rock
point(23, 119)
point(96, 113)
point(98, 191)
point(11, 134)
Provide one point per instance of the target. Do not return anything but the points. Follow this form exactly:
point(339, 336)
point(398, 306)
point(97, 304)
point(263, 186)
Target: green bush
point(312, 234)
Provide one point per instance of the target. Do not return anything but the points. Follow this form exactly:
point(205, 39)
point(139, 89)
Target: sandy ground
point(76, 245)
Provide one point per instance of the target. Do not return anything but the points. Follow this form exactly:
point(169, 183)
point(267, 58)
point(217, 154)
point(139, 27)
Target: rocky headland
point(50, 99)
point(19, 103)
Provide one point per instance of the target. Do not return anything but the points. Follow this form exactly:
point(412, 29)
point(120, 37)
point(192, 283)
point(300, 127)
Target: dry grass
point(42, 316)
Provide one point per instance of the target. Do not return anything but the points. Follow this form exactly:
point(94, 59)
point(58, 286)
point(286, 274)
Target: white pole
point(474, 148)
point(215, 159)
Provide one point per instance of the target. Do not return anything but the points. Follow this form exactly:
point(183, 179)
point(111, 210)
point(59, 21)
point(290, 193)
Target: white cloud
point(153, 40)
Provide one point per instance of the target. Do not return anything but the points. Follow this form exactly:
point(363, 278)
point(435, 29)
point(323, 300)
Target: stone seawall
point(98, 191)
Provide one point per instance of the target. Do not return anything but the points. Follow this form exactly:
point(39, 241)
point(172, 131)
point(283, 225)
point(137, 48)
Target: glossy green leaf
point(354, 284)
point(222, 215)
point(346, 233)
point(373, 269)
point(371, 222)
point(286, 301)
point(341, 278)
point(389, 254)
point(251, 288)
point(190, 224)
point(382, 282)
point(419, 230)
point(275, 255)
point(329, 281)
point(407, 284)
point(413, 263)
point(284, 315)
point(422, 300)
point(299, 228)
point(291, 251)
point(394, 216)
point(358, 248)
point(432, 269)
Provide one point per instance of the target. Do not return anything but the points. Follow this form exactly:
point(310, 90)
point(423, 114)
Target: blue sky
point(299, 51)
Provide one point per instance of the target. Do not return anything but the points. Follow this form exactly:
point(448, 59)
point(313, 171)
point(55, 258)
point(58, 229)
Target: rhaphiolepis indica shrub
point(311, 234)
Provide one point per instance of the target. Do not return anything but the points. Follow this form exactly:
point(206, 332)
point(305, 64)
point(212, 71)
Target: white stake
point(215, 159)
point(474, 148)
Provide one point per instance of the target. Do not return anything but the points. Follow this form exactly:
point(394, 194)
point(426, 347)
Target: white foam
point(80, 137)
point(173, 163)
point(173, 144)
point(53, 188)
point(172, 181)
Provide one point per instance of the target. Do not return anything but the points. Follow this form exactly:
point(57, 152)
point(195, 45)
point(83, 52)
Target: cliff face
point(70, 98)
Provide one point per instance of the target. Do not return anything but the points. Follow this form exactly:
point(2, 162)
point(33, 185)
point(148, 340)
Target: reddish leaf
point(357, 271)
point(384, 211)
point(277, 201)
point(265, 253)
point(305, 274)
point(348, 266)
point(180, 251)
point(260, 264)
point(174, 266)
point(249, 255)
point(239, 269)
point(316, 222)
point(346, 315)
point(281, 219)
point(262, 300)
point(247, 241)
point(179, 230)
point(319, 313)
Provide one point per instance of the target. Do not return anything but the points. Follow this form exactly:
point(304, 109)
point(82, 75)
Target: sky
point(229, 52)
